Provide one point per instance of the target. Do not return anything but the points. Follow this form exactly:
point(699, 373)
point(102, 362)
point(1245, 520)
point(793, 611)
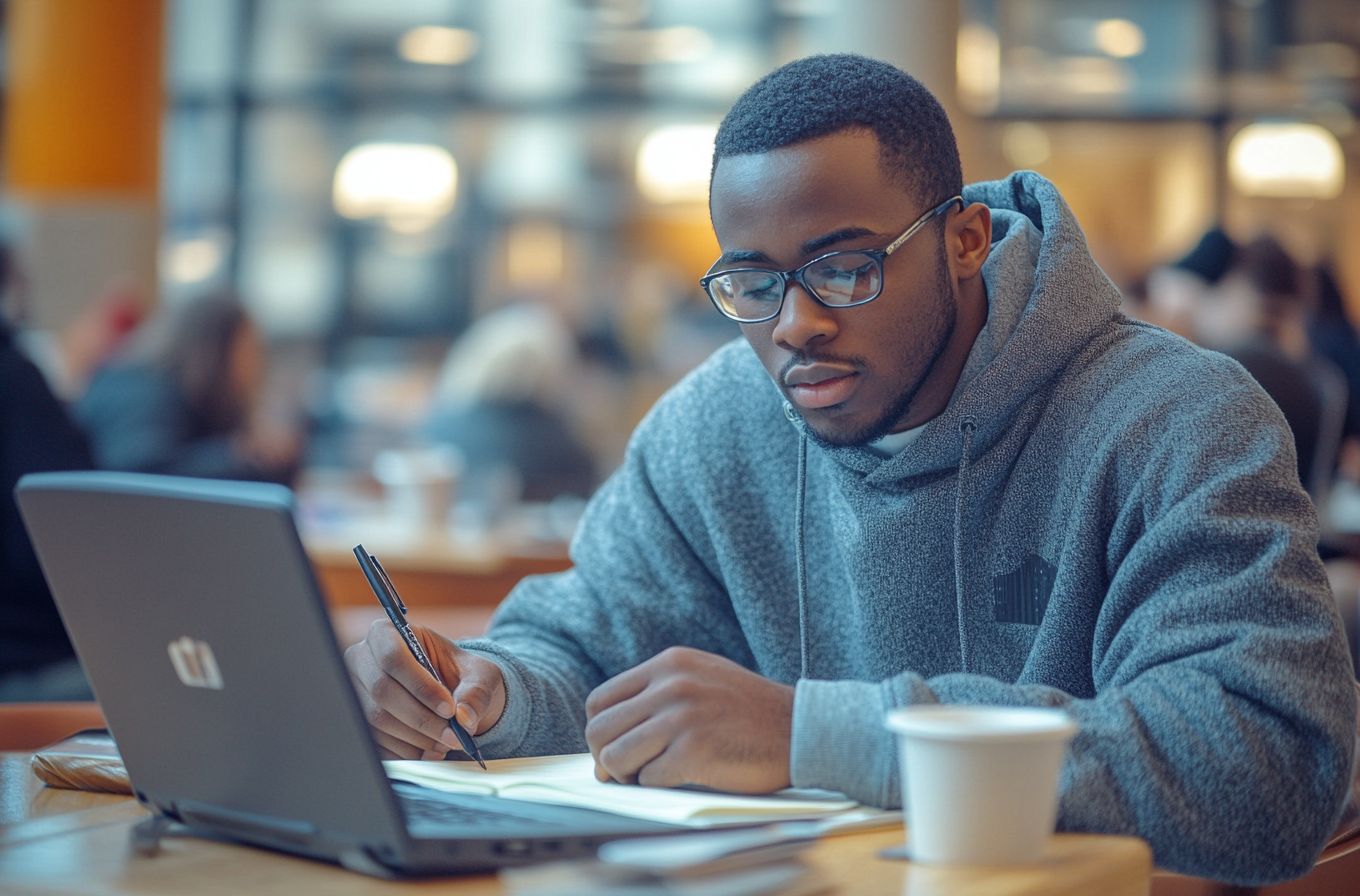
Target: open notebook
point(570, 780)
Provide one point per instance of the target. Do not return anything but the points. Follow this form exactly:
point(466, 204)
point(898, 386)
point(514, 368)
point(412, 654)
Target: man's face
point(851, 372)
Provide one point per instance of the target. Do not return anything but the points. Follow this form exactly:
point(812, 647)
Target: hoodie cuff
point(504, 738)
point(839, 742)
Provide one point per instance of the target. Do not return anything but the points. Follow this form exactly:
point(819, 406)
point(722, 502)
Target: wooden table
point(65, 842)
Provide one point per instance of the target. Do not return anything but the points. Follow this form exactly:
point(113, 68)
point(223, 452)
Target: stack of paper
point(570, 781)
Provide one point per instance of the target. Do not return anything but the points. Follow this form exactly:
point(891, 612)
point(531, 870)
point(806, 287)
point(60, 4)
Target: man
point(957, 475)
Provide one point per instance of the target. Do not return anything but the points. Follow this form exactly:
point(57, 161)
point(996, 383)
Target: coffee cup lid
point(981, 723)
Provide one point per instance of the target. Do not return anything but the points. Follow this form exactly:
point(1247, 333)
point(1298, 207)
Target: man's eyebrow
point(741, 255)
point(817, 244)
point(811, 247)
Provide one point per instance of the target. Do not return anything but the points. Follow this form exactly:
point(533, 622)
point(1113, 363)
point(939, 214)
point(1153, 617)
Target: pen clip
point(382, 589)
point(391, 589)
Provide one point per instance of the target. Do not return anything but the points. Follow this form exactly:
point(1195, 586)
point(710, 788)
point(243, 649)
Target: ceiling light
point(640, 46)
point(1119, 38)
point(193, 260)
point(674, 162)
point(1286, 160)
point(412, 185)
point(681, 44)
point(434, 45)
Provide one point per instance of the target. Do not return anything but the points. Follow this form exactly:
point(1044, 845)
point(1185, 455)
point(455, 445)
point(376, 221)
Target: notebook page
point(570, 780)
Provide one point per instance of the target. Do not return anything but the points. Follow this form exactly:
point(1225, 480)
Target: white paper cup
point(419, 484)
point(980, 783)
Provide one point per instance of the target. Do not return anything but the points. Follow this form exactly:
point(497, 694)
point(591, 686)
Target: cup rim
point(961, 722)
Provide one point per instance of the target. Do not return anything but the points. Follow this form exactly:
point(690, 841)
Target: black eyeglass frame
point(796, 275)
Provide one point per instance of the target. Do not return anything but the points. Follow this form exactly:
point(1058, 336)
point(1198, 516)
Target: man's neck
point(943, 378)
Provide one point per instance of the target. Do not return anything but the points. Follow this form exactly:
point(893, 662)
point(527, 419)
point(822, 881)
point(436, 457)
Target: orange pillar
point(84, 107)
point(81, 148)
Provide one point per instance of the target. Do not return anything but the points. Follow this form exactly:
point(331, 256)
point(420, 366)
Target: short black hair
point(1212, 256)
point(820, 95)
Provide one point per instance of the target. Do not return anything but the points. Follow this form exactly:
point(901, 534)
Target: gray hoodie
point(1105, 519)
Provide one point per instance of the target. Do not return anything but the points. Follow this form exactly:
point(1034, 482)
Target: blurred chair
point(28, 726)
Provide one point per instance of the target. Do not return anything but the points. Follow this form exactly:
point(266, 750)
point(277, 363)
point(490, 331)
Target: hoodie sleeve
point(639, 586)
point(1223, 727)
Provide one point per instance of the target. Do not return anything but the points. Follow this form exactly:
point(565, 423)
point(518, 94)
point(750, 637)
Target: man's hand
point(690, 717)
point(406, 708)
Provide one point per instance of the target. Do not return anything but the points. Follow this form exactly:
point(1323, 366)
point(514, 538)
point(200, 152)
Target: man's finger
point(668, 769)
point(627, 754)
point(410, 716)
point(361, 667)
point(623, 686)
point(391, 707)
point(397, 748)
point(612, 722)
point(396, 659)
point(479, 680)
point(380, 720)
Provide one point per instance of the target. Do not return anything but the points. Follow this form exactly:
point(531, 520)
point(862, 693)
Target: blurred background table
point(451, 581)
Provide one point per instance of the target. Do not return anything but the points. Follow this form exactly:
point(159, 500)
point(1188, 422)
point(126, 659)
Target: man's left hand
point(690, 717)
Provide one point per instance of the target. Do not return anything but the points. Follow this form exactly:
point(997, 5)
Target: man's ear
point(969, 238)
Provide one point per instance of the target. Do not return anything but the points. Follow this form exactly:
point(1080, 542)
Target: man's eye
point(760, 289)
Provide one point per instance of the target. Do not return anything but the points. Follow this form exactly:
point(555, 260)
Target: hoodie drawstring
point(966, 427)
point(801, 557)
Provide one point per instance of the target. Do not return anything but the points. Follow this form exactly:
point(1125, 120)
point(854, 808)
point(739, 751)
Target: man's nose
point(802, 319)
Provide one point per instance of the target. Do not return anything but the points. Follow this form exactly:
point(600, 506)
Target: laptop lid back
point(195, 613)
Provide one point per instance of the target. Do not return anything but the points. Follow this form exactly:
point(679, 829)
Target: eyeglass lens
point(843, 278)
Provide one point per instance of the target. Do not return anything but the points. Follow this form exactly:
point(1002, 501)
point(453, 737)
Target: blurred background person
point(37, 661)
point(182, 398)
point(495, 402)
point(1174, 290)
point(96, 336)
point(1259, 313)
point(1332, 336)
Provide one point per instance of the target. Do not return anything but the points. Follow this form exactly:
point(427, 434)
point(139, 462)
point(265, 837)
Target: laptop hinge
point(360, 860)
point(250, 825)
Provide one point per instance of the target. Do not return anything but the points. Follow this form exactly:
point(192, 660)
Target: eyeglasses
point(836, 279)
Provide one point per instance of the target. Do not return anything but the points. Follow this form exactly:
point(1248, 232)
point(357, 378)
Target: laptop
point(194, 611)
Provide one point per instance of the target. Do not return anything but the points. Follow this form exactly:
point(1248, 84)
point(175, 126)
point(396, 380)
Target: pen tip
point(480, 762)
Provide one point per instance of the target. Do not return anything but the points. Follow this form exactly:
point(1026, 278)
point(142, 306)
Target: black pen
point(396, 611)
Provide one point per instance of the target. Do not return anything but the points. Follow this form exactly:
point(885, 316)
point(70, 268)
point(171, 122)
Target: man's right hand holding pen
point(406, 708)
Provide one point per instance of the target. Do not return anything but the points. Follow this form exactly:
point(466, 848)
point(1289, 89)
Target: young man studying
point(940, 467)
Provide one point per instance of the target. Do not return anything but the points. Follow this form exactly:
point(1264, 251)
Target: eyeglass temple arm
point(921, 222)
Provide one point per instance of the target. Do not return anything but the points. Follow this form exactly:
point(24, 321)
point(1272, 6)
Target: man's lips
point(814, 386)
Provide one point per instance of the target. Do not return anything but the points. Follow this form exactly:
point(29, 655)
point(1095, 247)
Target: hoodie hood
point(1046, 299)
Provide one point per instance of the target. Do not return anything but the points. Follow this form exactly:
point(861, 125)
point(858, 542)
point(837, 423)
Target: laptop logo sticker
point(195, 664)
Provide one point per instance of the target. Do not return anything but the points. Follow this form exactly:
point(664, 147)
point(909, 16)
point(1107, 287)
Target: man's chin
point(846, 433)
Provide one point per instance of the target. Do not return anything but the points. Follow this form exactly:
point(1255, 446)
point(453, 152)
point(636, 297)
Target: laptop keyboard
point(446, 812)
